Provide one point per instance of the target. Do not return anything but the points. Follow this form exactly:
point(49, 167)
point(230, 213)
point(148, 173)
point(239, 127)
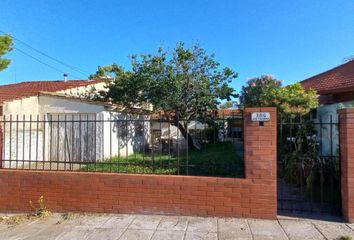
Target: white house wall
point(52, 104)
point(30, 106)
point(325, 132)
point(25, 106)
point(111, 139)
point(84, 89)
point(125, 134)
point(22, 147)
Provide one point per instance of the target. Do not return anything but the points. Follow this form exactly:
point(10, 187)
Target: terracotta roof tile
point(338, 79)
point(229, 112)
point(221, 113)
point(27, 89)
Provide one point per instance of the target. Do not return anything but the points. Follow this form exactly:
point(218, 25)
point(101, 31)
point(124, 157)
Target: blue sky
point(291, 40)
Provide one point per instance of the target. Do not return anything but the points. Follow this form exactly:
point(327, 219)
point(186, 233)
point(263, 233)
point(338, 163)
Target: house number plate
point(260, 116)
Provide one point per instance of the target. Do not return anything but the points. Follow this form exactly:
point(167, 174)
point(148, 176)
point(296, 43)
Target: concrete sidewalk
point(115, 226)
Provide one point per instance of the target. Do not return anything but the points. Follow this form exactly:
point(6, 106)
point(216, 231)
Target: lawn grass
point(218, 159)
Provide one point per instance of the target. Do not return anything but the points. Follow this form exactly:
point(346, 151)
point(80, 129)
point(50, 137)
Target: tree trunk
point(192, 143)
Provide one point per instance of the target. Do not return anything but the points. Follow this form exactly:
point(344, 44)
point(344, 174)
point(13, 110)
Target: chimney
point(65, 77)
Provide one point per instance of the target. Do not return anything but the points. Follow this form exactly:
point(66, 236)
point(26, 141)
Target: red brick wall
point(1, 145)
point(347, 162)
point(255, 196)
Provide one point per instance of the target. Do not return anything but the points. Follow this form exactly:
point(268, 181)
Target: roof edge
point(328, 71)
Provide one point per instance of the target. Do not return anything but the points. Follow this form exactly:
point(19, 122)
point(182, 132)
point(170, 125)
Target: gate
point(308, 167)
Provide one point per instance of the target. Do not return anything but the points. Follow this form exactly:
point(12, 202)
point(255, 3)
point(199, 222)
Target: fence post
point(260, 144)
point(346, 135)
point(260, 148)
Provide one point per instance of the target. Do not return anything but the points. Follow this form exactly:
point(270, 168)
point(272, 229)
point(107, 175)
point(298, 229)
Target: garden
point(214, 159)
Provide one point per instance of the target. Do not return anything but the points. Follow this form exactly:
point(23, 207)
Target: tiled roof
point(221, 113)
point(336, 80)
point(27, 89)
point(229, 112)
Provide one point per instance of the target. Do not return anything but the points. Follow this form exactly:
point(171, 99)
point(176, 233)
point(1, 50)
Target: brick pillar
point(346, 138)
point(260, 145)
point(1, 145)
point(261, 156)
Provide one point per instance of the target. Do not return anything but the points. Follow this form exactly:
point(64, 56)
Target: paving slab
point(266, 229)
point(201, 236)
point(53, 228)
point(199, 224)
point(77, 232)
point(170, 235)
point(174, 223)
point(233, 228)
point(91, 220)
point(135, 234)
point(118, 221)
point(106, 233)
point(333, 230)
point(351, 226)
point(51, 232)
point(300, 230)
point(3, 227)
point(145, 222)
point(153, 227)
point(19, 232)
point(29, 228)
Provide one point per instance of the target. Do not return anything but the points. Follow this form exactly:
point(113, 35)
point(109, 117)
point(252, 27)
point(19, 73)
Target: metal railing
point(123, 143)
point(309, 166)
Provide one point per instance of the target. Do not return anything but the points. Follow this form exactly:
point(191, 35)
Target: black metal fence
point(309, 166)
point(123, 143)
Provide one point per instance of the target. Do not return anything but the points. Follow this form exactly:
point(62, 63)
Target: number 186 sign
point(260, 116)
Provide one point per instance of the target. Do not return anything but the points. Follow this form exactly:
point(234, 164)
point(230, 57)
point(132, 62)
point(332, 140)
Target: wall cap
point(345, 110)
point(128, 175)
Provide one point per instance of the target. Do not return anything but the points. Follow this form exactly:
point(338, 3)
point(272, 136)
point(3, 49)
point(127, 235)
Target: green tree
point(6, 45)
point(295, 100)
point(184, 85)
point(267, 91)
point(226, 105)
point(260, 92)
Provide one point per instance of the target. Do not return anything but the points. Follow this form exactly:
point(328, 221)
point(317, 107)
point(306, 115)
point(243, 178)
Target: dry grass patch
point(39, 212)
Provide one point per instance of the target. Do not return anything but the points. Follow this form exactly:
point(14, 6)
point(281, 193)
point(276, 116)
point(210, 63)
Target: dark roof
point(28, 89)
point(336, 80)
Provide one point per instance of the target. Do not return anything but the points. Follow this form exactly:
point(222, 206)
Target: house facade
point(52, 121)
point(335, 89)
point(22, 98)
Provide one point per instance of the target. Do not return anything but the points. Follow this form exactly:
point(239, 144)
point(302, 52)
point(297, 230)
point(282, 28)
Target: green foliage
point(6, 45)
point(267, 91)
point(186, 82)
point(346, 237)
point(303, 165)
point(300, 153)
point(294, 100)
point(260, 92)
point(107, 72)
point(226, 105)
point(218, 159)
